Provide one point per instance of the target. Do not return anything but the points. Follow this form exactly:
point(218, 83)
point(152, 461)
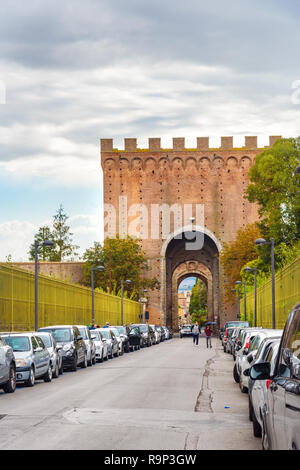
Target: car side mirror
point(93, 337)
point(58, 347)
point(261, 371)
point(79, 338)
point(39, 349)
point(287, 356)
point(250, 358)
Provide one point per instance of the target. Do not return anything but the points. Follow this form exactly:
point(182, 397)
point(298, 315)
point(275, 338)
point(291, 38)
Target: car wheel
point(74, 364)
point(90, 361)
point(83, 365)
point(256, 427)
point(235, 374)
point(94, 360)
point(250, 409)
point(243, 388)
point(10, 385)
point(48, 376)
point(61, 370)
point(56, 371)
point(30, 382)
point(101, 358)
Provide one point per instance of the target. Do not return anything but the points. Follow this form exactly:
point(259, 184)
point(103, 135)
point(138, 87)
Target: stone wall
point(65, 271)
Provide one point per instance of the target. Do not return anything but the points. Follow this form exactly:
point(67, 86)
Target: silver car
point(90, 346)
point(119, 339)
point(242, 347)
point(247, 360)
point(156, 333)
point(100, 344)
point(7, 368)
point(32, 357)
point(111, 340)
point(54, 351)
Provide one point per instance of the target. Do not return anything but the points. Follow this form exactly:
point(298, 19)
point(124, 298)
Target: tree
point(235, 255)
point(198, 302)
point(63, 243)
point(122, 259)
point(276, 189)
point(45, 253)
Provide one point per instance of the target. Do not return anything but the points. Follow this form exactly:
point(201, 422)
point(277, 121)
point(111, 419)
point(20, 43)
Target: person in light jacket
point(196, 332)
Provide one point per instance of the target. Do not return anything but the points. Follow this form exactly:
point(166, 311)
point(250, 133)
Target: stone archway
point(175, 253)
point(191, 268)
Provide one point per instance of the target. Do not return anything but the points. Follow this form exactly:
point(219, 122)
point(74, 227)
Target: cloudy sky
point(72, 72)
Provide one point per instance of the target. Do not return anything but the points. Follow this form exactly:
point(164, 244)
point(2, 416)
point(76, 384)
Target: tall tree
point(276, 189)
point(45, 253)
point(198, 302)
point(63, 243)
point(122, 259)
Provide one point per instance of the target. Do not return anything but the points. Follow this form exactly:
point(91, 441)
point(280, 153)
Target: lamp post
point(238, 283)
point(248, 270)
point(128, 281)
point(36, 287)
point(93, 269)
point(260, 242)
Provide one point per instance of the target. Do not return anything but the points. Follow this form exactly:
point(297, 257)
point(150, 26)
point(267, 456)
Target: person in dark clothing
point(208, 334)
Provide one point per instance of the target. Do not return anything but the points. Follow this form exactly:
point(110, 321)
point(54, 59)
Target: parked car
point(156, 333)
point(162, 333)
point(32, 357)
point(147, 334)
point(241, 348)
point(90, 346)
point(73, 347)
point(54, 351)
point(124, 331)
point(186, 330)
point(112, 343)
point(246, 360)
point(7, 367)
point(167, 332)
point(232, 341)
point(233, 323)
point(135, 338)
point(100, 345)
point(119, 339)
point(226, 337)
point(281, 423)
point(267, 352)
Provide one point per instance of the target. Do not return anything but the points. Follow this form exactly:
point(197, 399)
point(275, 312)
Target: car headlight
point(21, 363)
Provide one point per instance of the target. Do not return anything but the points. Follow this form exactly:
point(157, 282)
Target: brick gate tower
point(173, 198)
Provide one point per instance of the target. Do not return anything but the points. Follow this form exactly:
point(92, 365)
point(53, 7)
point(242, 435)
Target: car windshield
point(61, 335)
point(18, 343)
point(121, 330)
point(82, 332)
point(144, 328)
point(105, 334)
point(46, 340)
point(115, 331)
point(186, 327)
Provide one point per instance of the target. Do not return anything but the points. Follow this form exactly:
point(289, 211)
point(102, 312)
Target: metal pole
point(122, 303)
point(36, 310)
point(245, 308)
point(238, 303)
point(255, 297)
point(140, 301)
point(273, 283)
point(93, 312)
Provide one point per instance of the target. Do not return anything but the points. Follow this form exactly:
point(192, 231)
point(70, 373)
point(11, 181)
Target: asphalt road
point(170, 396)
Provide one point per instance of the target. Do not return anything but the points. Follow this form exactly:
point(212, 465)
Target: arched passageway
point(180, 258)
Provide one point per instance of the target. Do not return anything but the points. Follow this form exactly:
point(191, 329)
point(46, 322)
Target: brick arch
point(232, 162)
point(150, 164)
point(205, 163)
point(191, 164)
point(109, 164)
point(174, 163)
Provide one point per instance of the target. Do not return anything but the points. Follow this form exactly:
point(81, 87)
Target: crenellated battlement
point(154, 145)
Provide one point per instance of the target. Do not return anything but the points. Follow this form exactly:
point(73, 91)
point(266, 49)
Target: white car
point(246, 361)
point(241, 349)
point(258, 388)
point(54, 351)
point(156, 333)
point(101, 346)
point(119, 339)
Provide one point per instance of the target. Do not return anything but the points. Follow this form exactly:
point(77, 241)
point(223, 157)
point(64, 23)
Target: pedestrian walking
point(208, 334)
point(196, 333)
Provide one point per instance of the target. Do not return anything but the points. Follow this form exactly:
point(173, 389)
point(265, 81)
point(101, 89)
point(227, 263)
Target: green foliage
point(198, 303)
point(122, 259)
point(276, 189)
point(61, 237)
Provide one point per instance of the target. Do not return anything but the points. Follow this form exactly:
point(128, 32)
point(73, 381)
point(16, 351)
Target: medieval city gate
point(145, 187)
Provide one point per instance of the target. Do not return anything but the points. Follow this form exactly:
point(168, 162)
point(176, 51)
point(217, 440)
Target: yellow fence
point(287, 294)
point(59, 303)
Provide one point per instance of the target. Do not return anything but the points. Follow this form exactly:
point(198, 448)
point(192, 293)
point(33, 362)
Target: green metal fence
point(287, 294)
point(59, 303)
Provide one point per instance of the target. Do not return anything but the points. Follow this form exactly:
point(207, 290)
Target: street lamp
point(98, 268)
point(140, 301)
point(260, 242)
point(248, 270)
point(36, 288)
point(128, 281)
point(238, 283)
